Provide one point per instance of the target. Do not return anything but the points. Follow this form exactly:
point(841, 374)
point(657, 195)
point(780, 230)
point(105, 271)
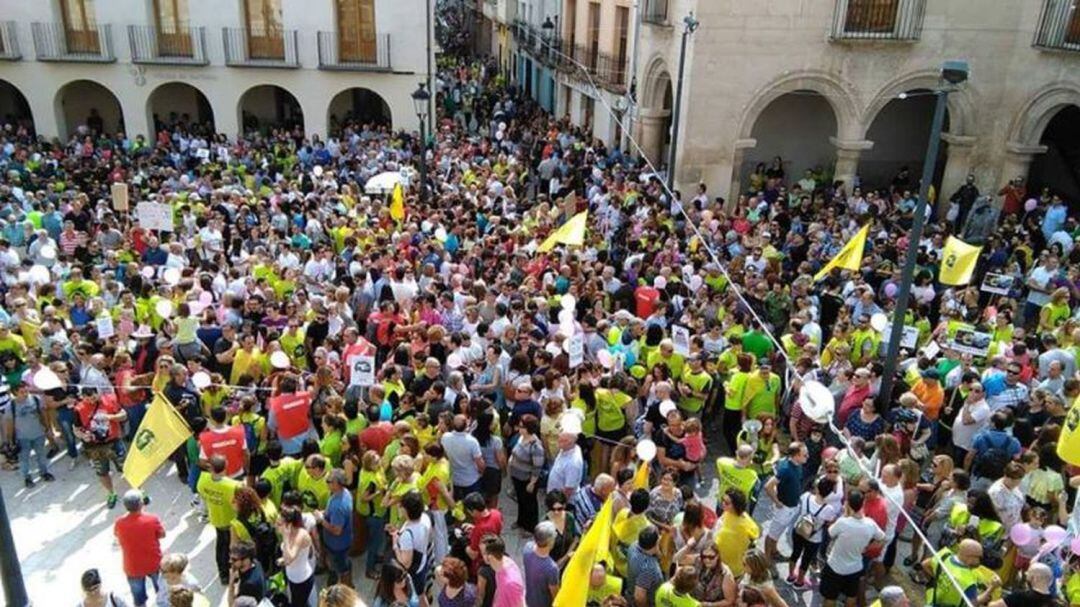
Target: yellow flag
point(958, 261)
point(397, 203)
point(641, 476)
point(593, 547)
point(849, 257)
point(159, 434)
point(1068, 445)
point(572, 232)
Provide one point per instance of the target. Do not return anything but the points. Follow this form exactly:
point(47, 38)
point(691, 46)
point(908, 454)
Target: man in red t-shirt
point(645, 298)
point(484, 521)
point(97, 424)
point(229, 442)
point(139, 535)
point(875, 509)
point(378, 434)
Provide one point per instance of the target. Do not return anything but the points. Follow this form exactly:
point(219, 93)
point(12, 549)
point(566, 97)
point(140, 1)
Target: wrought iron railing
point(878, 19)
point(167, 46)
point(655, 12)
point(245, 47)
point(354, 52)
point(611, 72)
point(1059, 26)
point(9, 41)
point(54, 42)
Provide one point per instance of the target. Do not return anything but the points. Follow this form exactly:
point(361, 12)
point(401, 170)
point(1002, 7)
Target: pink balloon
point(1021, 534)
point(1075, 545)
point(206, 297)
point(1031, 204)
point(890, 290)
point(1054, 535)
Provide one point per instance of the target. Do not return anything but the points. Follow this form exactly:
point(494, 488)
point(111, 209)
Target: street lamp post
point(953, 73)
point(421, 97)
point(689, 25)
point(10, 572)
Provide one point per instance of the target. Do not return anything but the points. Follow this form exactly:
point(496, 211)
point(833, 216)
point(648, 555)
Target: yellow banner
point(159, 434)
point(571, 233)
point(1068, 446)
point(958, 261)
point(397, 203)
point(849, 257)
point(593, 547)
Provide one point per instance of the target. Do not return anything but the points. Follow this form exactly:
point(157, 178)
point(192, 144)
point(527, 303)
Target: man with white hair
point(1039, 593)
point(569, 466)
point(891, 596)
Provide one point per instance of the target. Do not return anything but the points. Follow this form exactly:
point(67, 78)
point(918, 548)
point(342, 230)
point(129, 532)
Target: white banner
point(155, 216)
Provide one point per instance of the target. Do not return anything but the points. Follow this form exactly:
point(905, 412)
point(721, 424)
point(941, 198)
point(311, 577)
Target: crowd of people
point(368, 390)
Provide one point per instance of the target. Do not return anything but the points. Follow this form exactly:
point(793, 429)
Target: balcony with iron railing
point(655, 12)
point(898, 20)
point(354, 52)
point(611, 72)
point(1059, 26)
point(167, 46)
point(54, 42)
point(9, 41)
point(246, 47)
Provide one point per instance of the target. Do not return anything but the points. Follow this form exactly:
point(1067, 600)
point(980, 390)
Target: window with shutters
point(356, 30)
point(80, 30)
point(173, 36)
point(265, 36)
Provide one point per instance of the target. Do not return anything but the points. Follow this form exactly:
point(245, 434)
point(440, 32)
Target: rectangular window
point(80, 30)
point(266, 39)
point(622, 18)
point(1072, 30)
point(594, 34)
point(356, 30)
point(173, 36)
point(871, 16)
point(571, 23)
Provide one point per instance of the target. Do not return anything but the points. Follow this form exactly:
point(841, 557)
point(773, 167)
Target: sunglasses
point(558, 508)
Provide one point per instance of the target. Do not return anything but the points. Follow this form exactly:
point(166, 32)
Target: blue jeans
point(136, 413)
point(138, 588)
point(376, 530)
point(66, 418)
point(38, 445)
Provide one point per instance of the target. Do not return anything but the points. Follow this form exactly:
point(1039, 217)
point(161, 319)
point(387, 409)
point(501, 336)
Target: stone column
point(651, 126)
point(734, 187)
point(957, 167)
point(847, 158)
point(1018, 158)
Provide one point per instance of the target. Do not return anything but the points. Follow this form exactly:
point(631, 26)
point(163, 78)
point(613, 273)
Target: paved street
point(63, 528)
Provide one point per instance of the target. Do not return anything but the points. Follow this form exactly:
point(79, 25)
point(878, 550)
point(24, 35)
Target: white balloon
point(879, 321)
point(454, 361)
point(39, 275)
point(817, 401)
point(201, 380)
point(318, 170)
point(646, 450)
point(553, 348)
point(279, 360)
point(172, 276)
point(502, 126)
point(660, 283)
point(46, 380)
point(667, 407)
point(500, 135)
point(566, 317)
point(696, 282)
point(440, 234)
point(570, 422)
point(196, 307)
point(48, 252)
point(568, 302)
point(605, 359)
point(164, 308)
point(206, 298)
point(147, 271)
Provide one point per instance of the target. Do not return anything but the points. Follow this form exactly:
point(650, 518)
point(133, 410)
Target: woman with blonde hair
point(757, 579)
point(339, 595)
point(174, 574)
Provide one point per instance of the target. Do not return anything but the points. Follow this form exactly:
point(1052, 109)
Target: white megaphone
point(752, 427)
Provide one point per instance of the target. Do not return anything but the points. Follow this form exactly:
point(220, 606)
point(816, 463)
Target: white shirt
point(850, 537)
point(894, 497)
point(415, 536)
point(963, 434)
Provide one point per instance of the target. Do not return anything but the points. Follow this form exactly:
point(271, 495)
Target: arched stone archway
point(14, 109)
point(1058, 168)
point(900, 131)
point(1030, 123)
point(268, 106)
point(961, 102)
point(85, 105)
point(654, 116)
point(828, 86)
point(357, 106)
point(179, 104)
point(1026, 143)
point(800, 128)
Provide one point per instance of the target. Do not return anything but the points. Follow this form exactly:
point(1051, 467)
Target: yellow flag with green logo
point(159, 434)
point(572, 233)
point(397, 203)
point(594, 547)
point(958, 260)
point(849, 257)
point(1068, 446)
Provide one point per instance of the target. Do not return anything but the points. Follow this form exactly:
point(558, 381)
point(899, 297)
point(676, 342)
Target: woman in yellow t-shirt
point(405, 480)
point(735, 531)
point(1054, 312)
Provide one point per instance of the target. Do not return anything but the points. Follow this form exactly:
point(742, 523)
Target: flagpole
point(954, 72)
point(10, 571)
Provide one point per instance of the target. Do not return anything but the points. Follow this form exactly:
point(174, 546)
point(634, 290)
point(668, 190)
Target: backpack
point(991, 462)
point(251, 438)
point(265, 539)
point(805, 526)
